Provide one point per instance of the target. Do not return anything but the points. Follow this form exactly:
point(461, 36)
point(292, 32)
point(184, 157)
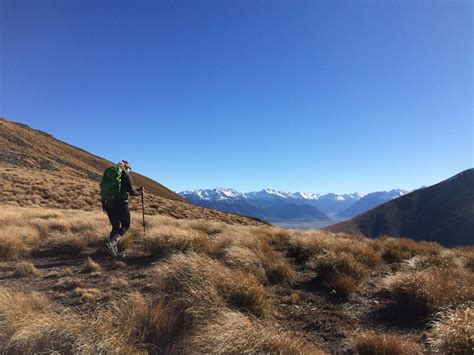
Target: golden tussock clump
point(231, 332)
point(88, 294)
point(398, 249)
point(369, 343)
point(207, 227)
point(91, 266)
point(119, 283)
point(24, 269)
point(191, 280)
point(256, 256)
point(340, 272)
point(30, 323)
point(57, 232)
point(452, 332)
point(66, 284)
point(16, 241)
point(428, 291)
point(167, 240)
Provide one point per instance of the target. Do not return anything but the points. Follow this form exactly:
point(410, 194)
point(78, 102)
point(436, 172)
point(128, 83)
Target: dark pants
point(119, 216)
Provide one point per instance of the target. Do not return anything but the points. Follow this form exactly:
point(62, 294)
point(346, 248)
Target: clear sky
point(313, 96)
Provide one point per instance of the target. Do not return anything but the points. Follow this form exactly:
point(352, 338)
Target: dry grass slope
point(216, 287)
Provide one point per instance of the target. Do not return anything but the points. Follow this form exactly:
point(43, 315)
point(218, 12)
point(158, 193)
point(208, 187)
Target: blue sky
point(314, 96)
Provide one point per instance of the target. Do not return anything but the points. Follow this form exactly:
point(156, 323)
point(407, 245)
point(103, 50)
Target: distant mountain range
point(276, 206)
point(370, 201)
point(443, 213)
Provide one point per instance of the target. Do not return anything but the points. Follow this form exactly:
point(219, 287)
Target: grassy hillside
point(443, 213)
point(208, 286)
point(38, 170)
point(31, 149)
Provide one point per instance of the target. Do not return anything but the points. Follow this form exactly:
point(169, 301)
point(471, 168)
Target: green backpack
point(111, 184)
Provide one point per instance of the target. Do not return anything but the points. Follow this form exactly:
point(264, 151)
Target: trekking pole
point(143, 214)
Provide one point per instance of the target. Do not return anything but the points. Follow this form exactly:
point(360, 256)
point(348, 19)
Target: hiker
point(115, 187)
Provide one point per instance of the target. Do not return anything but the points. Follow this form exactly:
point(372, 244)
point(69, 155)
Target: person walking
point(116, 185)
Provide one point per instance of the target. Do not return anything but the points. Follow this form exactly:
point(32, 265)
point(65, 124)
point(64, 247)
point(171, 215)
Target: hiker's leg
point(114, 219)
point(124, 220)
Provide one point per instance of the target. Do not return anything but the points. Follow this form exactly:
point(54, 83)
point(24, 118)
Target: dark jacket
point(127, 186)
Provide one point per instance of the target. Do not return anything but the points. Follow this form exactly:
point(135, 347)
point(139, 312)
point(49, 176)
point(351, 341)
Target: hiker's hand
point(141, 189)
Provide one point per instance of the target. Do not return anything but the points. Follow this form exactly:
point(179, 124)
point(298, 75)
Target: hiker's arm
point(127, 181)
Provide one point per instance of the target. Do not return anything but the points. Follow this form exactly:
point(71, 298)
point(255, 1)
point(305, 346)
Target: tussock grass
point(119, 283)
point(207, 227)
point(213, 281)
point(470, 263)
point(445, 260)
point(119, 265)
point(88, 294)
point(422, 293)
point(369, 343)
point(168, 240)
point(192, 280)
point(341, 272)
point(138, 323)
point(452, 332)
point(231, 332)
point(395, 250)
point(467, 256)
point(91, 266)
point(24, 269)
point(59, 243)
point(58, 232)
point(66, 284)
point(27, 324)
point(16, 241)
point(30, 323)
point(258, 258)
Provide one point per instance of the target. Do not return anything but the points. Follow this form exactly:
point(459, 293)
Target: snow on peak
point(218, 193)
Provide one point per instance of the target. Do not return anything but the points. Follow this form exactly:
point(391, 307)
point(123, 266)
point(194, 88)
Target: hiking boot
point(111, 247)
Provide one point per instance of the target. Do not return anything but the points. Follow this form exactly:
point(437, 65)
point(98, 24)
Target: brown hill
point(443, 213)
point(40, 170)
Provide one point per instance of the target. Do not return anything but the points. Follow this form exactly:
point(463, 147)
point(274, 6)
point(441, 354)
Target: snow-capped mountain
point(328, 203)
point(218, 194)
point(370, 201)
point(268, 204)
point(275, 205)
